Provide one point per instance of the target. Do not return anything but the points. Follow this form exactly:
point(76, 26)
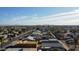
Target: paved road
point(61, 42)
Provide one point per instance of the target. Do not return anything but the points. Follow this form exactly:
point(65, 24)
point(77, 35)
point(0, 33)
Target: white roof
point(30, 37)
point(53, 39)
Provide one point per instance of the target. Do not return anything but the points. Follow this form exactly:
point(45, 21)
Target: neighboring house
point(37, 32)
point(51, 44)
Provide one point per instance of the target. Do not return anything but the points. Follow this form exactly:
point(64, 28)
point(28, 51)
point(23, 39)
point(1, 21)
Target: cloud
point(66, 18)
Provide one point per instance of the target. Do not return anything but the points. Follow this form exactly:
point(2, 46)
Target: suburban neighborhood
point(39, 38)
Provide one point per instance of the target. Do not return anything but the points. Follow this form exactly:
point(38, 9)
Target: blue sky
point(39, 15)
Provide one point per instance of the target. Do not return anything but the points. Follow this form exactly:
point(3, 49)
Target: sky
point(39, 16)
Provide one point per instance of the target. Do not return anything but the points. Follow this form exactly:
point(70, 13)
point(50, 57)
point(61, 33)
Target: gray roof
point(51, 44)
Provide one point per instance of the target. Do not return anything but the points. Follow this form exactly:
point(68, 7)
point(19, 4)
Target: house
point(51, 44)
